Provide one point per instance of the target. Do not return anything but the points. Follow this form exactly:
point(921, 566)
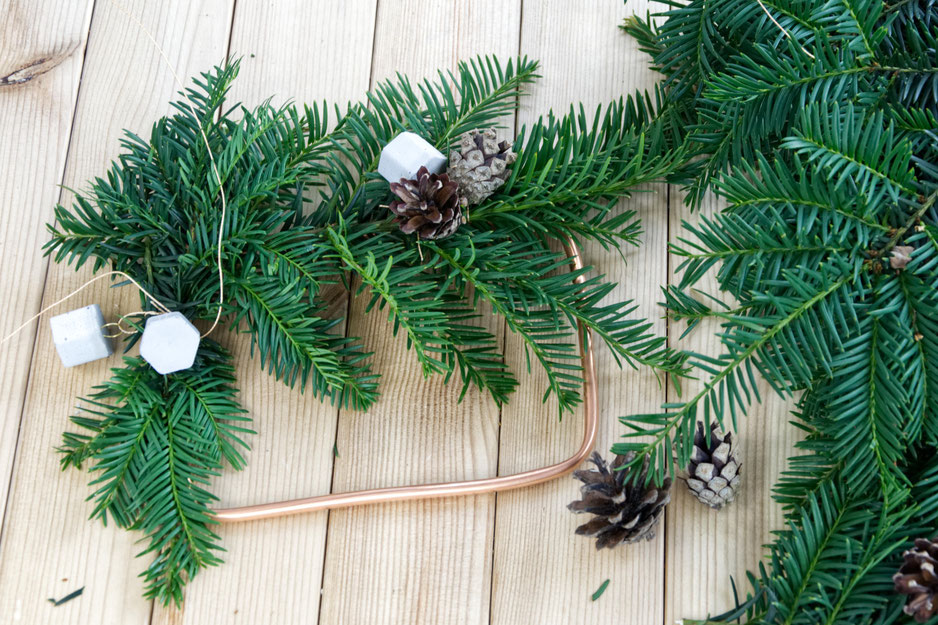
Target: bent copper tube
point(453, 489)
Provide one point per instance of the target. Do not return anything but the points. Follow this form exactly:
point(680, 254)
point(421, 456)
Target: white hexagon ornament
point(405, 154)
point(169, 342)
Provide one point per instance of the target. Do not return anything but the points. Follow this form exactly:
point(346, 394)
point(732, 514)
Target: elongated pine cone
point(480, 166)
point(917, 578)
point(626, 511)
point(713, 472)
point(428, 206)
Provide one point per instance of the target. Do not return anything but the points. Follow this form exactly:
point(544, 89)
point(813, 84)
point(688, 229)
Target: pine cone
point(918, 579)
point(480, 166)
point(429, 205)
point(713, 472)
point(625, 512)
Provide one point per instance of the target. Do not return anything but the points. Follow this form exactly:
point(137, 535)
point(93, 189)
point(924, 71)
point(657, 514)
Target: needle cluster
point(815, 124)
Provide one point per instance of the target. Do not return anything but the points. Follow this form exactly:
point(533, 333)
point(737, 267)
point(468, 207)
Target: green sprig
point(814, 122)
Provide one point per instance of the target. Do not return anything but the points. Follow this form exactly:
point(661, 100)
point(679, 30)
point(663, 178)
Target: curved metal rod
point(453, 489)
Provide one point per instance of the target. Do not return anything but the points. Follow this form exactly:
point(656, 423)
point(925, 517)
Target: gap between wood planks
point(85, 36)
point(348, 325)
point(498, 431)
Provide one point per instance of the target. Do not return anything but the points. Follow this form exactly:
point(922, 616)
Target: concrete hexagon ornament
point(406, 154)
point(169, 342)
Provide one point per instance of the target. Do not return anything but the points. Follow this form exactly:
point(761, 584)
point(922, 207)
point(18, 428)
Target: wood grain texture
point(273, 568)
point(427, 562)
point(508, 559)
point(49, 547)
point(705, 547)
point(543, 572)
point(35, 124)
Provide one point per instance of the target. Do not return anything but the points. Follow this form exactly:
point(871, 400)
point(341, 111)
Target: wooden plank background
point(73, 74)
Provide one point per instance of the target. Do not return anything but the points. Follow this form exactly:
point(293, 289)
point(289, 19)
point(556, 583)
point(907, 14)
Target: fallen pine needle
point(599, 591)
point(66, 598)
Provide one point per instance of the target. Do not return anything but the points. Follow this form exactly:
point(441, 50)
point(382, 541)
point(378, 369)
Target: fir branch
point(570, 168)
point(296, 344)
point(410, 303)
point(175, 514)
point(213, 411)
point(726, 391)
point(305, 209)
point(541, 332)
point(851, 148)
point(815, 122)
point(155, 443)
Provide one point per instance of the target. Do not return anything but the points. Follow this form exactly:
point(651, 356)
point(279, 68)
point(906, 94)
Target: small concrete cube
point(79, 336)
point(405, 154)
point(169, 343)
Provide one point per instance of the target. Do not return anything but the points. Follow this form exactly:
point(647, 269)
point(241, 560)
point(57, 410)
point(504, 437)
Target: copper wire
point(454, 489)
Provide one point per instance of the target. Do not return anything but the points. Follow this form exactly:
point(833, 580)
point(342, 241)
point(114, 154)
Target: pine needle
point(599, 591)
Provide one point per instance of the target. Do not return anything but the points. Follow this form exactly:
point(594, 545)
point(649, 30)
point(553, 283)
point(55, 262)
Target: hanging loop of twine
point(211, 157)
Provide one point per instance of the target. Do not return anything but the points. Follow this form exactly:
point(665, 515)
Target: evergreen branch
point(678, 426)
point(534, 329)
point(860, 18)
point(760, 193)
point(176, 515)
point(853, 150)
point(212, 405)
point(535, 280)
point(864, 399)
point(747, 254)
point(477, 356)
point(828, 530)
point(410, 305)
point(77, 448)
point(569, 170)
point(814, 121)
point(296, 344)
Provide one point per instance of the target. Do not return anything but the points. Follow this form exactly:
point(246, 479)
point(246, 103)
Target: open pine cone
point(625, 512)
point(480, 166)
point(713, 472)
point(917, 578)
point(429, 205)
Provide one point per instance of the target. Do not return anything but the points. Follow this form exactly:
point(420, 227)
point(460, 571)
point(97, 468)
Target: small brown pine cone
point(480, 165)
point(918, 579)
point(625, 511)
point(713, 472)
point(428, 206)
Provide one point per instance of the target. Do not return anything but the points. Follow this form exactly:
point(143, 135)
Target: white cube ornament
point(79, 336)
point(169, 342)
point(405, 154)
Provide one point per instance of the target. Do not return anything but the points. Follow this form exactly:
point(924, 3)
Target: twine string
point(121, 330)
point(211, 157)
point(155, 301)
point(783, 29)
